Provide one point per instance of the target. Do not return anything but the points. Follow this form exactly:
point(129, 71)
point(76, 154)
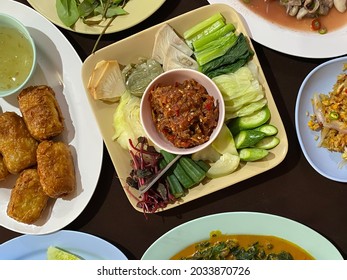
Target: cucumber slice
point(268, 129)
point(268, 142)
point(248, 138)
point(224, 143)
point(226, 165)
point(209, 154)
point(251, 121)
point(252, 154)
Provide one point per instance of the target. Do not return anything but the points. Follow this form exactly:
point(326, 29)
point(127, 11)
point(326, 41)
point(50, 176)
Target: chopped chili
point(334, 115)
point(315, 24)
point(184, 113)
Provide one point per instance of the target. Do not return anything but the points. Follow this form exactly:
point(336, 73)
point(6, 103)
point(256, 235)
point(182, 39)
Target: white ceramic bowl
point(170, 78)
point(320, 80)
point(11, 22)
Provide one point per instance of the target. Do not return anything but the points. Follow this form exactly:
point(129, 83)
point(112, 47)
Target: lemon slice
point(224, 142)
point(226, 165)
point(55, 253)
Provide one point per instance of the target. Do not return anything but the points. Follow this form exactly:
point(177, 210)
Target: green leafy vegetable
point(67, 11)
point(215, 49)
point(86, 8)
point(230, 249)
point(236, 57)
point(92, 12)
point(115, 11)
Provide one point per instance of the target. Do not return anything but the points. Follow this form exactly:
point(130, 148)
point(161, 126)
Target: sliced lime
point(55, 253)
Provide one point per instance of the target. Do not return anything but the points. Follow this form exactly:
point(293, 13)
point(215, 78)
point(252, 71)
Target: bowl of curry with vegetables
point(242, 236)
point(182, 111)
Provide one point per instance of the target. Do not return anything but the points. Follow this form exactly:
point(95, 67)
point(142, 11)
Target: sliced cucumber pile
point(254, 136)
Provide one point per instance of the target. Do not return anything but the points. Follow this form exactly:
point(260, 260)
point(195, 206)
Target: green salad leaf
point(67, 11)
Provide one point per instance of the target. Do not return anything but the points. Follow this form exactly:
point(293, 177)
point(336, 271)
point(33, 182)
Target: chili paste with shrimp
point(184, 113)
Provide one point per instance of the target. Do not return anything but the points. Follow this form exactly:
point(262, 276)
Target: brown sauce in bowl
point(184, 113)
point(272, 11)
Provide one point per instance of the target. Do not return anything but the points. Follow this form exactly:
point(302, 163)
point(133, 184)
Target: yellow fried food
point(55, 167)
point(17, 146)
point(41, 112)
point(3, 170)
point(28, 199)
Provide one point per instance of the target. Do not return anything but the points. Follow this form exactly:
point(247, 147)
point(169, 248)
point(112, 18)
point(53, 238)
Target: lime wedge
point(55, 253)
point(226, 165)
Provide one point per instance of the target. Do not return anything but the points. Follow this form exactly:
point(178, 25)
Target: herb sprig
point(91, 12)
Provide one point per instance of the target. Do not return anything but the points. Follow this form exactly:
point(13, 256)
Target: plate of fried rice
point(321, 118)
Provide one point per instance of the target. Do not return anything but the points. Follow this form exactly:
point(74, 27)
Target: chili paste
point(184, 113)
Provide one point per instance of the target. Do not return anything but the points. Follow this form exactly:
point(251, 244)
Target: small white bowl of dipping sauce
point(17, 56)
point(182, 111)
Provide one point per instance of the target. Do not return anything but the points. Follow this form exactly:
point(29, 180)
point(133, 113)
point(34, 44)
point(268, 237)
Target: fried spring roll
point(55, 167)
point(41, 112)
point(28, 199)
point(17, 146)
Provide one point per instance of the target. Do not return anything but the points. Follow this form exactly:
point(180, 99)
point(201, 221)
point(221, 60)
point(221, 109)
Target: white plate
point(34, 247)
point(241, 223)
point(138, 10)
point(297, 43)
point(319, 80)
point(59, 66)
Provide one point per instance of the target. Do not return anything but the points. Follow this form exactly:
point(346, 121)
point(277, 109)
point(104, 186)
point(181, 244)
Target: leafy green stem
point(102, 33)
point(108, 4)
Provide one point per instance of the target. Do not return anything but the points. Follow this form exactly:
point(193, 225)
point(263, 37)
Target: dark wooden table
point(293, 189)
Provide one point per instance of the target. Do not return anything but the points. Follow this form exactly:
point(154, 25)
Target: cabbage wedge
point(242, 92)
point(126, 120)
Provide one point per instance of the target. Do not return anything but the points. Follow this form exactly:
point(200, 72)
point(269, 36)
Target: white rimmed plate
point(255, 223)
point(138, 10)
point(59, 66)
point(34, 247)
point(319, 80)
point(296, 43)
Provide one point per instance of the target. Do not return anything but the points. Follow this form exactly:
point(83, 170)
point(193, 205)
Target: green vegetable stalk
point(236, 57)
point(203, 25)
point(202, 42)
